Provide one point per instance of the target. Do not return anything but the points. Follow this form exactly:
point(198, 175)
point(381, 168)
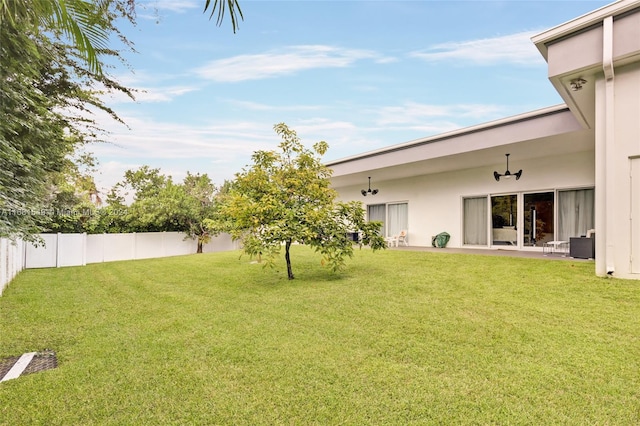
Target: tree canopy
point(284, 198)
point(160, 204)
point(47, 91)
point(52, 73)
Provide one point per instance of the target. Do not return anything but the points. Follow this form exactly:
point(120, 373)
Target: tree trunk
point(288, 258)
point(199, 246)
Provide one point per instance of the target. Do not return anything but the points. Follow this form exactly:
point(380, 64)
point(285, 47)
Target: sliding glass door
point(575, 213)
point(475, 221)
point(378, 213)
point(538, 219)
point(544, 216)
point(504, 220)
point(397, 218)
point(394, 217)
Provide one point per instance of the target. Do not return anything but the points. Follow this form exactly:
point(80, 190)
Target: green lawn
point(398, 338)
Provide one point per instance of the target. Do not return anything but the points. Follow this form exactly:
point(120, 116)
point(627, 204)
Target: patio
point(494, 252)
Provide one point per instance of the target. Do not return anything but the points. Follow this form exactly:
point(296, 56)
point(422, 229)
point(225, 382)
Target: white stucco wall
point(435, 200)
point(618, 143)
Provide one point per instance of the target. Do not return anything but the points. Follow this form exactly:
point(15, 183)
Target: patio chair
point(402, 238)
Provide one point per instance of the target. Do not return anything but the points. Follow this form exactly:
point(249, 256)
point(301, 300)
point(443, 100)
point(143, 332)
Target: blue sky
point(359, 75)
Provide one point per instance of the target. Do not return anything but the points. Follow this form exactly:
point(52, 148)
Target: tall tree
point(77, 19)
point(73, 202)
point(285, 197)
point(51, 74)
point(46, 89)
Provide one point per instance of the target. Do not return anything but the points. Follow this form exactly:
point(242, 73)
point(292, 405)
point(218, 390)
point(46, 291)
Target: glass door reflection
point(504, 220)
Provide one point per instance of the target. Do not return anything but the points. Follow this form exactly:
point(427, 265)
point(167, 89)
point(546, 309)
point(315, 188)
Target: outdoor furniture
point(392, 241)
point(552, 247)
point(402, 238)
point(507, 235)
point(582, 248)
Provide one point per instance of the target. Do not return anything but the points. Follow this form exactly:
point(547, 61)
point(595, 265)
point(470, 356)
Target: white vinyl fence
point(79, 249)
point(11, 260)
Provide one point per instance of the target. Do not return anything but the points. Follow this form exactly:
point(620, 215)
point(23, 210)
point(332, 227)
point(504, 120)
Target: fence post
point(104, 243)
point(164, 245)
point(58, 250)
point(21, 254)
point(84, 249)
point(4, 260)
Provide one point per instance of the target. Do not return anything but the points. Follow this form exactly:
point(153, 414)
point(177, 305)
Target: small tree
point(285, 197)
point(198, 195)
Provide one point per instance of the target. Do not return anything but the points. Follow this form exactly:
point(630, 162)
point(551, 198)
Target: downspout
point(610, 199)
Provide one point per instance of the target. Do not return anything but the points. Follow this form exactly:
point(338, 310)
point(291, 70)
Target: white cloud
point(415, 113)
point(112, 172)
point(217, 149)
point(285, 61)
point(149, 94)
point(162, 94)
point(514, 48)
point(256, 106)
point(178, 6)
point(165, 140)
point(324, 126)
point(343, 137)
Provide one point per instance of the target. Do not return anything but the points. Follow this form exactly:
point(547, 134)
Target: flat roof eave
point(501, 126)
point(581, 23)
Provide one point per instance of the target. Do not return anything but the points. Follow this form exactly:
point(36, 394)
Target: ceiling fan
point(369, 191)
point(507, 174)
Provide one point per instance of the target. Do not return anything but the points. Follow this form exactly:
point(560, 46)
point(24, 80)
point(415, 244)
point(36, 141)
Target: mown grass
point(399, 338)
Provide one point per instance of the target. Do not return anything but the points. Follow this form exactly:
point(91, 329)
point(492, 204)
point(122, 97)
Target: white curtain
point(575, 213)
point(398, 218)
point(475, 221)
point(377, 213)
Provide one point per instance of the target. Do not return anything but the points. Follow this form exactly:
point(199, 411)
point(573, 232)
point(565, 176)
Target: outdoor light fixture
point(369, 191)
point(576, 83)
point(507, 174)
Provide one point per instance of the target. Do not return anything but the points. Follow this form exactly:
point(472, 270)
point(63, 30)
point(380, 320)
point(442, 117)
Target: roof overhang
point(525, 136)
point(575, 52)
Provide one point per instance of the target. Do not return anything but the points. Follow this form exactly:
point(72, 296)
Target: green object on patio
point(440, 240)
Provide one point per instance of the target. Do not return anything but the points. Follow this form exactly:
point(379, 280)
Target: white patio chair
point(402, 238)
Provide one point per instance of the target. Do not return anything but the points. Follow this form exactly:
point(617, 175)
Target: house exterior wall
point(435, 201)
point(618, 145)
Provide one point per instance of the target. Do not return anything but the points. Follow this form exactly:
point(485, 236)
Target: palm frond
point(219, 8)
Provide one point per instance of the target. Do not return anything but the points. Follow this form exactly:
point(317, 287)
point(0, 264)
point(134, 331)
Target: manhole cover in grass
point(41, 361)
